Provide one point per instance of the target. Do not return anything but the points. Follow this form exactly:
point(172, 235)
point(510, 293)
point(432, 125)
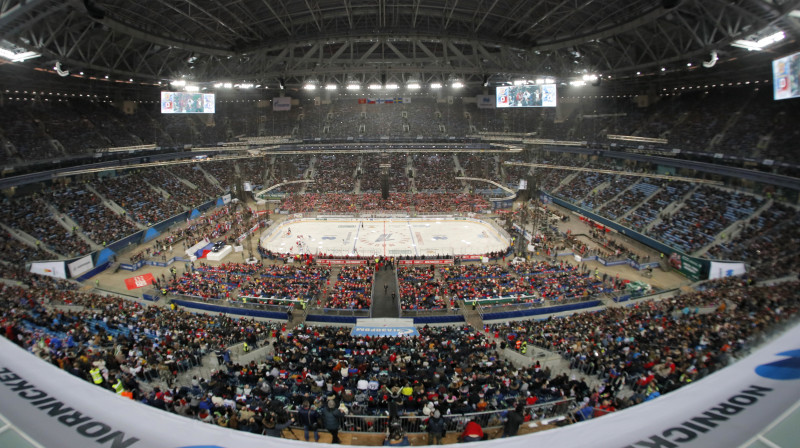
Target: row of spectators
point(32, 216)
point(353, 289)
point(97, 221)
point(656, 347)
point(351, 203)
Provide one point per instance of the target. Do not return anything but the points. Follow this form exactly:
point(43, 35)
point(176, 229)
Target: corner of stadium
point(399, 222)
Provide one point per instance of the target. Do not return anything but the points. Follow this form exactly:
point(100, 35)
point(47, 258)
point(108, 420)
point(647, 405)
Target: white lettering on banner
point(140, 281)
point(84, 425)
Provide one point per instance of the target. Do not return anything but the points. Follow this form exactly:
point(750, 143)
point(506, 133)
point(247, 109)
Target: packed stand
point(419, 289)
point(97, 221)
point(335, 173)
point(629, 199)
point(704, 215)
point(435, 172)
point(31, 215)
point(352, 290)
point(144, 204)
point(643, 215)
point(16, 252)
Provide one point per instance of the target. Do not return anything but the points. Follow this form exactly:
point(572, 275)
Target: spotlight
point(62, 72)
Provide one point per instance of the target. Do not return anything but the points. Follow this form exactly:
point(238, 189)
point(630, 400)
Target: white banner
point(281, 103)
point(49, 268)
point(485, 101)
point(725, 409)
point(226, 199)
point(719, 269)
point(80, 266)
point(247, 186)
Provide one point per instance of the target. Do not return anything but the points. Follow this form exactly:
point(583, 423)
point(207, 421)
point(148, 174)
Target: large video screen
point(786, 77)
point(543, 95)
point(187, 103)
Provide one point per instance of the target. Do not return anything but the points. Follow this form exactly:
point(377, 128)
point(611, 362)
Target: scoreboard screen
point(543, 95)
point(786, 77)
point(187, 103)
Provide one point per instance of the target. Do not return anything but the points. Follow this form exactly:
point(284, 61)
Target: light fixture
point(331, 87)
point(217, 85)
point(17, 56)
point(309, 86)
point(457, 85)
point(590, 78)
point(539, 80)
point(374, 86)
point(520, 82)
point(353, 86)
point(413, 86)
point(175, 83)
point(577, 83)
point(392, 86)
point(436, 85)
point(663, 69)
point(759, 44)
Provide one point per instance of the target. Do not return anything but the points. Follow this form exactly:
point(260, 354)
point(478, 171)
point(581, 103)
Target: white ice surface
point(391, 237)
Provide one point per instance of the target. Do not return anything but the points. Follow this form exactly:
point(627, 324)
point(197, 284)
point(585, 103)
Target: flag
point(398, 100)
point(362, 101)
point(371, 101)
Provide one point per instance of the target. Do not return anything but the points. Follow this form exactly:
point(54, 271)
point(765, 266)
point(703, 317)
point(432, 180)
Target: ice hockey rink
point(386, 237)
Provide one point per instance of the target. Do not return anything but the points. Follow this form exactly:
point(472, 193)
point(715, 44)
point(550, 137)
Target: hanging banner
point(720, 269)
point(281, 103)
point(693, 268)
point(80, 266)
point(140, 281)
point(485, 101)
point(49, 268)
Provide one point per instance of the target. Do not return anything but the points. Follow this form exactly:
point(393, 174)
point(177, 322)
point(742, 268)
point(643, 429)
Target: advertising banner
point(485, 101)
point(341, 262)
point(140, 281)
point(720, 269)
point(693, 268)
point(281, 103)
point(80, 266)
point(418, 262)
point(49, 268)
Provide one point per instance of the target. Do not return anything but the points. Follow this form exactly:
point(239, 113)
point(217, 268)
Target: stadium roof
point(291, 42)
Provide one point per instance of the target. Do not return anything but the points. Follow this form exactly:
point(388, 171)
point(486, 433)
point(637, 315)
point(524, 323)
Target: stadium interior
point(205, 207)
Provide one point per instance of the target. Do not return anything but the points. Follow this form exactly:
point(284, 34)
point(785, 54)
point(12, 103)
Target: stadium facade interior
point(399, 221)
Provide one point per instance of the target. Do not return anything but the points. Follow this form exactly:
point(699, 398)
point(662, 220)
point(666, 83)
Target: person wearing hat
point(436, 428)
point(271, 426)
point(308, 417)
point(331, 417)
point(396, 438)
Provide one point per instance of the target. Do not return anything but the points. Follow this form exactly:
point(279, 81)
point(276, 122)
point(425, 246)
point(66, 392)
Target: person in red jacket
point(472, 432)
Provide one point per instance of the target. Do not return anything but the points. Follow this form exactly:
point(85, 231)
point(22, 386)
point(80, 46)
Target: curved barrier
point(727, 408)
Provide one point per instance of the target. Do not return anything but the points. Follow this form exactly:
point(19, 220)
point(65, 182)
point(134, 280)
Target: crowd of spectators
point(655, 347)
point(649, 210)
point(31, 215)
point(96, 220)
point(334, 173)
point(766, 243)
point(177, 190)
point(144, 204)
point(631, 198)
point(18, 253)
point(419, 288)
point(703, 216)
point(352, 290)
point(435, 172)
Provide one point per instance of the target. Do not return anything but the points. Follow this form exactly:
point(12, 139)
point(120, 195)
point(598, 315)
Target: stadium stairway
point(114, 207)
point(68, 224)
point(382, 303)
point(655, 192)
point(471, 315)
point(29, 240)
point(211, 179)
point(733, 230)
point(672, 208)
point(565, 181)
point(601, 206)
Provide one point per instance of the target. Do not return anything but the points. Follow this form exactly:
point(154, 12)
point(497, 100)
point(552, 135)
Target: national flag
point(398, 100)
point(362, 101)
point(371, 101)
point(389, 101)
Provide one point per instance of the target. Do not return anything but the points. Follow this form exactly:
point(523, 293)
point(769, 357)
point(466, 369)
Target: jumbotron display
point(527, 96)
point(786, 77)
point(187, 103)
